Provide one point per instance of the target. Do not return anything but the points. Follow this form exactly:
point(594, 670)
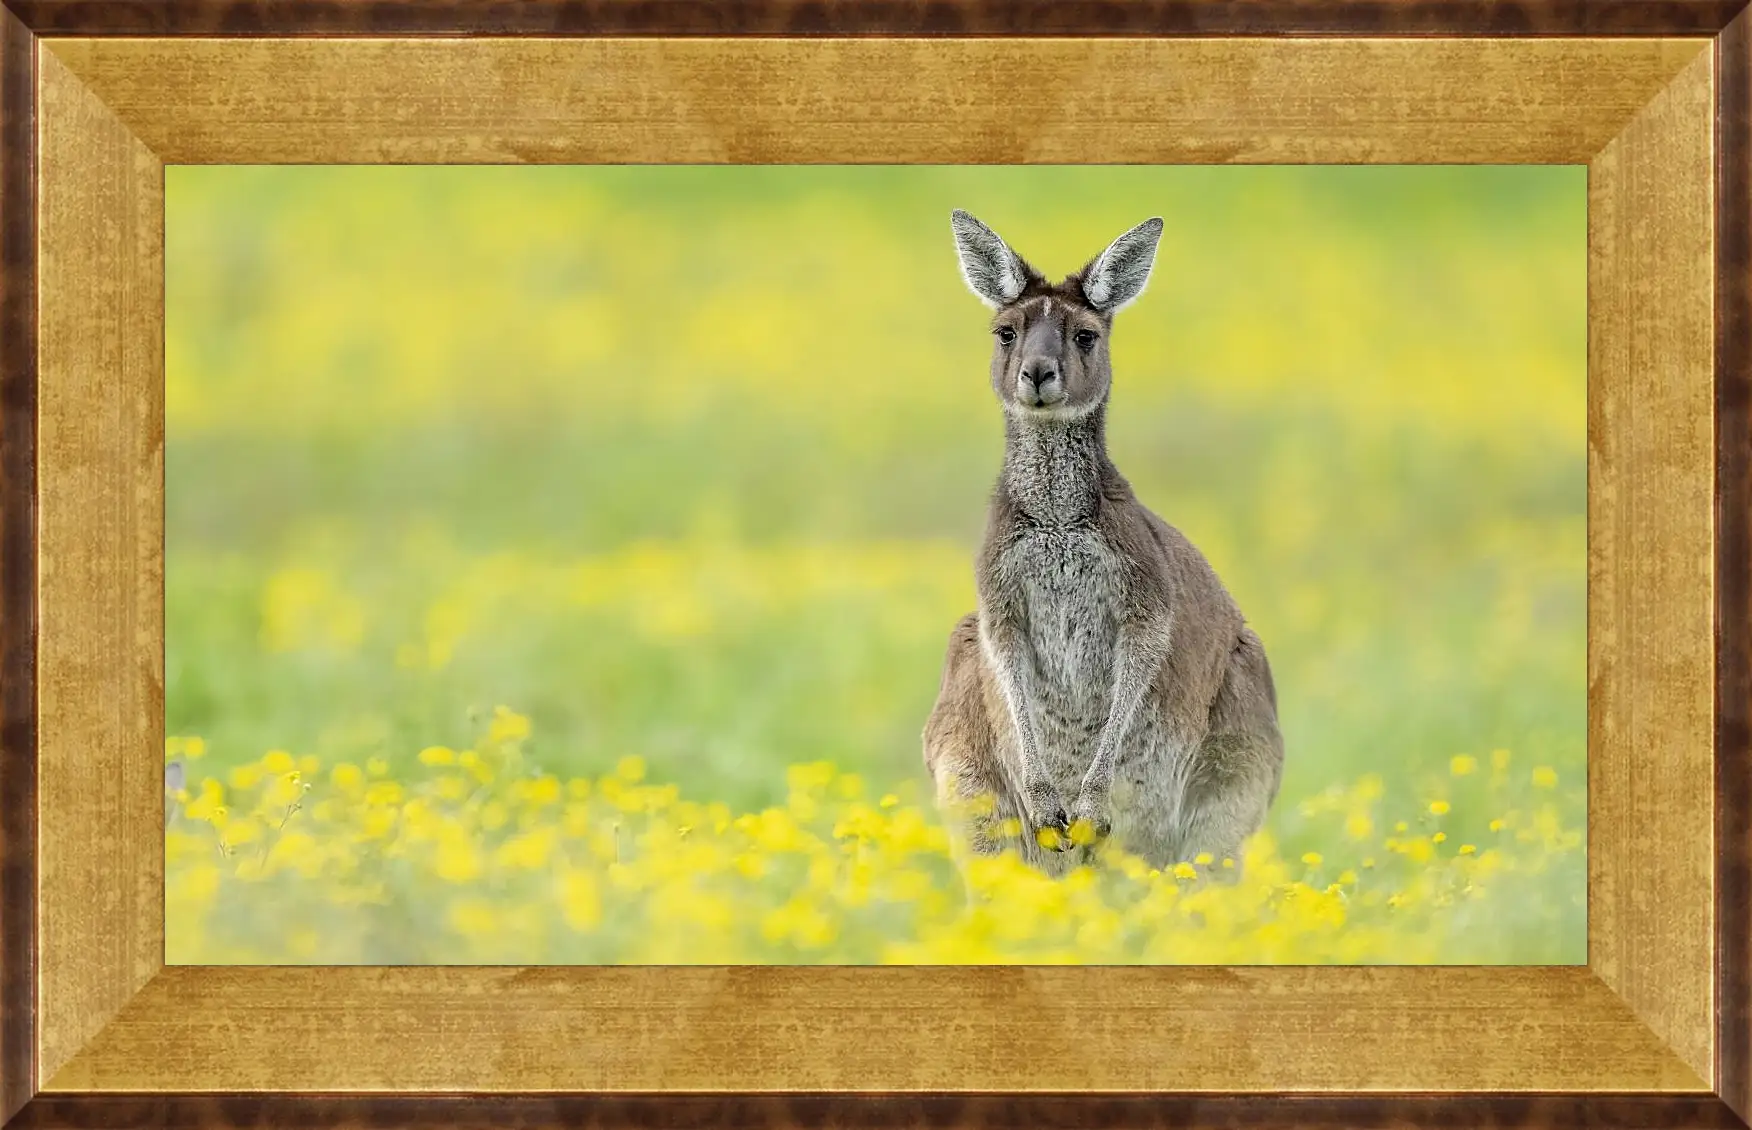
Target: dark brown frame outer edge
point(1733, 566)
point(18, 492)
point(876, 17)
point(22, 21)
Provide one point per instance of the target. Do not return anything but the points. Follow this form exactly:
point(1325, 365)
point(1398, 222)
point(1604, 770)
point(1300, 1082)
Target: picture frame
point(97, 96)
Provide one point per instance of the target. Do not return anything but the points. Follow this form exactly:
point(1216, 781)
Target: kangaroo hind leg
point(1239, 766)
point(960, 745)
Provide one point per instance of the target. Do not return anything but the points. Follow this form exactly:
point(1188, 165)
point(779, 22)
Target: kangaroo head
point(1049, 354)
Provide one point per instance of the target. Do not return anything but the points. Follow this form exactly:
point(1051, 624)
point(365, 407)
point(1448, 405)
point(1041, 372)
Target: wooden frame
point(96, 96)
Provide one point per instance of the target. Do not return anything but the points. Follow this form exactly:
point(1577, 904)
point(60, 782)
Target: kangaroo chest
point(1069, 584)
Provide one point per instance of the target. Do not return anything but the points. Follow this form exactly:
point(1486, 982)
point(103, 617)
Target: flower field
point(560, 561)
point(478, 859)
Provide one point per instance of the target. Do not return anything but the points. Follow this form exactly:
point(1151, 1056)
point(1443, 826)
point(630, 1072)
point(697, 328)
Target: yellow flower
point(982, 804)
point(245, 777)
point(1496, 825)
point(1463, 765)
point(284, 789)
point(529, 851)
point(456, 860)
point(809, 777)
point(1082, 832)
point(507, 726)
point(1499, 759)
point(437, 755)
point(517, 867)
point(1399, 827)
point(576, 820)
point(212, 797)
point(236, 833)
point(194, 748)
point(278, 761)
point(543, 791)
point(630, 769)
point(580, 899)
point(297, 851)
point(1544, 777)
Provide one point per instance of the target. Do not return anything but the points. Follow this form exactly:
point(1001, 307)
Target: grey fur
point(1116, 279)
point(1107, 675)
point(993, 272)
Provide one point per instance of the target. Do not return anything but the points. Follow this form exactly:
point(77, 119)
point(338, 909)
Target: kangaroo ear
point(1116, 278)
point(993, 272)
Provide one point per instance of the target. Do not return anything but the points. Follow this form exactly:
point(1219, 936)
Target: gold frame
point(1640, 1017)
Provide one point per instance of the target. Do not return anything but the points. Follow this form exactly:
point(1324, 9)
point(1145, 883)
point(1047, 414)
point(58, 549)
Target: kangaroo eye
point(1085, 339)
point(1006, 335)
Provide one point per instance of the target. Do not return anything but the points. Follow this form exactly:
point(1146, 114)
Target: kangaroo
point(1107, 689)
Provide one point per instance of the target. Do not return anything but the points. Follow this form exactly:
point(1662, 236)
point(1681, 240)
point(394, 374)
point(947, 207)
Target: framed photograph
point(860, 564)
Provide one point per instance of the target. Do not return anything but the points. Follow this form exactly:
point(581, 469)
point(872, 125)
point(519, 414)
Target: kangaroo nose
point(1039, 371)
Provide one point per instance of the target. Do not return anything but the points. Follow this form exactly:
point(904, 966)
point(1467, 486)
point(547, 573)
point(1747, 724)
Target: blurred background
point(689, 463)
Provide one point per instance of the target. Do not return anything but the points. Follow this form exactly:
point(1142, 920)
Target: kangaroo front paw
point(1048, 821)
point(1089, 817)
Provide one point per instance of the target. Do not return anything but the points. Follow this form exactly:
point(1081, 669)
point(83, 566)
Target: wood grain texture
point(100, 695)
point(877, 1112)
point(876, 17)
point(981, 101)
point(873, 1029)
point(1650, 612)
point(1733, 565)
point(18, 481)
